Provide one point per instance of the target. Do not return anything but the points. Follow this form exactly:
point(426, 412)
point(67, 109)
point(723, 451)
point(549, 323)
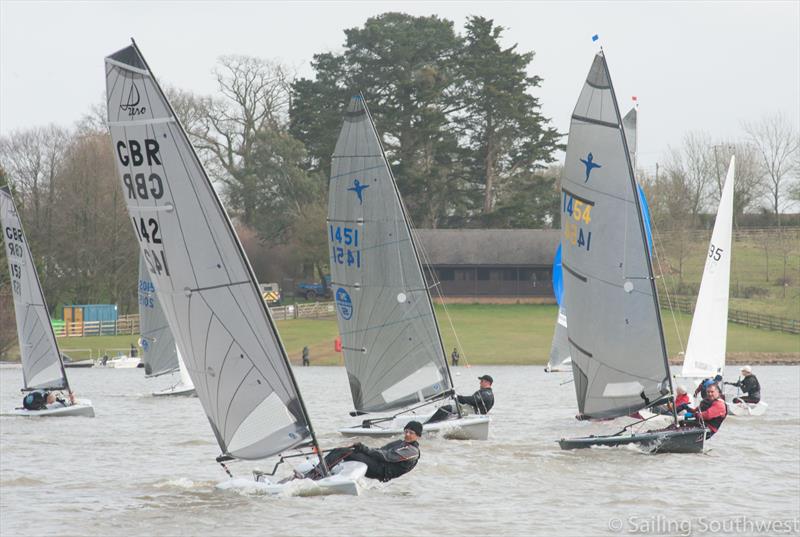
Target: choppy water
point(145, 466)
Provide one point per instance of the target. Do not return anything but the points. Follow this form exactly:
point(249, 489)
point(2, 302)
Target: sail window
point(623, 389)
point(268, 417)
point(425, 376)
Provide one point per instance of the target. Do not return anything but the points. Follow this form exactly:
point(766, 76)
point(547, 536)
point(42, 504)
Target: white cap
point(747, 369)
point(681, 388)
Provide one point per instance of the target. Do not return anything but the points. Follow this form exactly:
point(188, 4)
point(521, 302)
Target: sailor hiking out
point(711, 412)
point(749, 385)
point(384, 464)
point(480, 402)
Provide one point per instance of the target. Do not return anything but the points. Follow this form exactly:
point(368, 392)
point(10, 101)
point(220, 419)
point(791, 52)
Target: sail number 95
point(715, 253)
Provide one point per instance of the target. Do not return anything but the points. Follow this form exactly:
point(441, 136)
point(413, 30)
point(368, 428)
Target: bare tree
point(255, 96)
point(748, 185)
point(776, 142)
point(688, 174)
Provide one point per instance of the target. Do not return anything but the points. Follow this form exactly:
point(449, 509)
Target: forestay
point(41, 360)
point(202, 278)
point(159, 354)
point(705, 352)
point(617, 348)
point(391, 344)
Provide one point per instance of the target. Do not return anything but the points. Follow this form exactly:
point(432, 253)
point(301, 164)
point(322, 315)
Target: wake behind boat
point(205, 284)
point(619, 358)
point(43, 370)
point(392, 347)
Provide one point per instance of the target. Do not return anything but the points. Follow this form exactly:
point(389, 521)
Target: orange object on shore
point(337, 344)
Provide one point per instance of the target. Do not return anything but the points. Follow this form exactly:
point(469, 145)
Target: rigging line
point(665, 286)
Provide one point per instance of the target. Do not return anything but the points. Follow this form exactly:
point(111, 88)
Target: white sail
point(705, 352)
point(202, 277)
point(159, 354)
point(42, 366)
point(186, 379)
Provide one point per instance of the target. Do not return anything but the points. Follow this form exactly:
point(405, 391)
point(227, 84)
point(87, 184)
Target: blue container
point(98, 312)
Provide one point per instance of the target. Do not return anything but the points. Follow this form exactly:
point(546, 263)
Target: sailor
point(481, 401)
point(306, 358)
point(454, 357)
point(749, 385)
point(712, 411)
point(54, 401)
point(681, 399)
point(703, 386)
point(384, 464)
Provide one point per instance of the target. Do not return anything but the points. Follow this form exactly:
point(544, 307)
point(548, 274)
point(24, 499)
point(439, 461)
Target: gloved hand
point(682, 407)
point(358, 447)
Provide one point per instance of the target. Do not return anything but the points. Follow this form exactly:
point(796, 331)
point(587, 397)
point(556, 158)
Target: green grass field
point(488, 334)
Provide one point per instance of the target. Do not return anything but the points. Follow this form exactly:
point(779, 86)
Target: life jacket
point(35, 400)
point(716, 422)
point(681, 399)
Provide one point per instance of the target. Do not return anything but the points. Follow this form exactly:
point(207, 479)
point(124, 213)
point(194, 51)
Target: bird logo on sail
point(131, 106)
point(590, 165)
point(358, 188)
point(344, 303)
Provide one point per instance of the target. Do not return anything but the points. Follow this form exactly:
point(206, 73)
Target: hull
point(83, 407)
point(474, 427)
point(345, 480)
point(124, 363)
point(747, 409)
point(82, 363)
point(684, 440)
point(177, 390)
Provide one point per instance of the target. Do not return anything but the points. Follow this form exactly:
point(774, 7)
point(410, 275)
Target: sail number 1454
point(579, 214)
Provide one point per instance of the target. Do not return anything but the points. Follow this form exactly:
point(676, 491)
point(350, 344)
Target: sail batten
point(614, 331)
point(203, 279)
point(42, 365)
point(392, 348)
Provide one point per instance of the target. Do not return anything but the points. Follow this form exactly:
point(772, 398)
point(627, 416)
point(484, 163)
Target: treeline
point(460, 124)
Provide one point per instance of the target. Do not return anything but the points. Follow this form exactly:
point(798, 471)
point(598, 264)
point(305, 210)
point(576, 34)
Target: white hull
point(344, 480)
point(81, 363)
point(472, 427)
point(178, 389)
point(126, 362)
point(746, 409)
point(82, 407)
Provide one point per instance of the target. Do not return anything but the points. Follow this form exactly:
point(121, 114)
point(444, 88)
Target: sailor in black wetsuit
point(384, 464)
point(749, 385)
point(481, 401)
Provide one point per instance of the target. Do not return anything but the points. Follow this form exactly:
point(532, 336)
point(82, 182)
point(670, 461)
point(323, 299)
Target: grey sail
point(559, 349)
point(629, 124)
point(159, 355)
point(391, 343)
point(618, 352)
point(203, 280)
point(41, 360)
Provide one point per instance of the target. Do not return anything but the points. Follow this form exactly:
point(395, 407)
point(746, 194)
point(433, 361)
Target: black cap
point(487, 378)
point(414, 426)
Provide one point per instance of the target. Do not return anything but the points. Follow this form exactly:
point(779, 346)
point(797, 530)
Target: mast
point(635, 191)
point(248, 267)
point(414, 249)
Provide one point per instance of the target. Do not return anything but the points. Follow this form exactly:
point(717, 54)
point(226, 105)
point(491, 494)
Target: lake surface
point(145, 466)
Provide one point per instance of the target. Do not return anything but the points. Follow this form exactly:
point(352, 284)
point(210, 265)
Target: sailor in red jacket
point(712, 411)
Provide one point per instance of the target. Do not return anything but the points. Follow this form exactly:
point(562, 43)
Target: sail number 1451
point(345, 249)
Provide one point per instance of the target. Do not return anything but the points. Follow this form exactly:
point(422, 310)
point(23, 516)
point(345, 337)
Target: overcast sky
point(693, 65)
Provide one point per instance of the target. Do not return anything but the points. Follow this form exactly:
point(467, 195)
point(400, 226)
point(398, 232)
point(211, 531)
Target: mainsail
point(202, 277)
point(159, 354)
point(392, 346)
point(705, 352)
point(559, 350)
point(619, 359)
point(42, 366)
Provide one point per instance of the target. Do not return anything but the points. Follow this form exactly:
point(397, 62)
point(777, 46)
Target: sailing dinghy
point(392, 347)
point(160, 355)
point(42, 363)
point(705, 351)
point(207, 288)
point(619, 358)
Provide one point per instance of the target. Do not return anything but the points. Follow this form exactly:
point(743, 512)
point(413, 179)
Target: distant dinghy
point(206, 286)
point(42, 363)
point(619, 358)
point(160, 355)
point(392, 347)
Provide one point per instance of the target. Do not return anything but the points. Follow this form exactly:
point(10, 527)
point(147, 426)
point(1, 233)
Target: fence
point(125, 324)
point(756, 320)
point(129, 324)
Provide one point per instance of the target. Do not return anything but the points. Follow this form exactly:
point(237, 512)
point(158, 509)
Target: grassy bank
point(488, 334)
